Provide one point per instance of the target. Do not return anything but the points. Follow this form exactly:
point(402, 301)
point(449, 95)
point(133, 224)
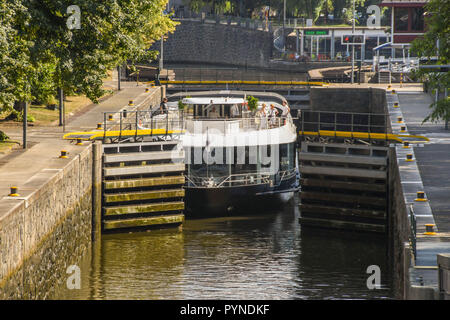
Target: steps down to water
point(142, 186)
point(344, 186)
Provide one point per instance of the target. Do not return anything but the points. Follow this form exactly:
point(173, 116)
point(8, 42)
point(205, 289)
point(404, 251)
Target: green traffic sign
point(316, 32)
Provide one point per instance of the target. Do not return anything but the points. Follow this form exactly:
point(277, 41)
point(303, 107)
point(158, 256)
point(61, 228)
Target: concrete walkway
point(433, 159)
point(46, 143)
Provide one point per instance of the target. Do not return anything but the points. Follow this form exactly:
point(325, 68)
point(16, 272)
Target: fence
point(228, 74)
point(343, 121)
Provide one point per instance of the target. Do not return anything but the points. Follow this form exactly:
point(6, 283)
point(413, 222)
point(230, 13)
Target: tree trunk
point(18, 106)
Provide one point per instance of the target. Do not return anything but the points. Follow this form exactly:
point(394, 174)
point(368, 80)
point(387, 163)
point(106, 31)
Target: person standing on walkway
point(163, 108)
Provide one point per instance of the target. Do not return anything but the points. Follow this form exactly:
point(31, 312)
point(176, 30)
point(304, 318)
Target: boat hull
point(226, 201)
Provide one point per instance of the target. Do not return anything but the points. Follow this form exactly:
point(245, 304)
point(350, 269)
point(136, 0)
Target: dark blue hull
point(207, 202)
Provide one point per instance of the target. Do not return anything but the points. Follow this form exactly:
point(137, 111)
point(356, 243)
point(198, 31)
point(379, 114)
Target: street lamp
point(284, 25)
point(353, 45)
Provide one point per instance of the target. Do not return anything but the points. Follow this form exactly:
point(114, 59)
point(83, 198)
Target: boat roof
point(213, 100)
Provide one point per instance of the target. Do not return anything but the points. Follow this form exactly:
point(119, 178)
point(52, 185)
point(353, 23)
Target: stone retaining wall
point(360, 100)
point(46, 230)
point(196, 42)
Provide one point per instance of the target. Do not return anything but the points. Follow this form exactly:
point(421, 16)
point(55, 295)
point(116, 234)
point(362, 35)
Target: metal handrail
point(249, 178)
point(351, 124)
point(413, 230)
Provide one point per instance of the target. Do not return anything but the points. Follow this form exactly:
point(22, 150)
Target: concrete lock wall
point(196, 42)
point(399, 229)
point(362, 100)
point(47, 230)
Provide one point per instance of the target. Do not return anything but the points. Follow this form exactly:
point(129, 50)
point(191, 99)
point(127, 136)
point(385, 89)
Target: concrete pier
point(428, 172)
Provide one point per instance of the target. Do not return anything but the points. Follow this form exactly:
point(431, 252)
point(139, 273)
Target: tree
point(438, 30)
point(15, 62)
point(111, 32)
point(39, 52)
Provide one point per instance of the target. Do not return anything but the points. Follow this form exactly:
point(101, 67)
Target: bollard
point(79, 142)
point(99, 125)
point(389, 86)
point(13, 192)
point(405, 144)
point(396, 105)
point(147, 90)
point(393, 91)
point(402, 129)
point(131, 103)
point(399, 120)
point(420, 196)
point(429, 229)
point(124, 113)
point(409, 157)
point(110, 117)
point(63, 154)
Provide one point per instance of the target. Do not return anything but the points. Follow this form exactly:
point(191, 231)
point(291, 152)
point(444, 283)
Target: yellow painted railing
point(366, 135)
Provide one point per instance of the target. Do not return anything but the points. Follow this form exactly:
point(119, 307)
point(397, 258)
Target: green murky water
point(257, 256)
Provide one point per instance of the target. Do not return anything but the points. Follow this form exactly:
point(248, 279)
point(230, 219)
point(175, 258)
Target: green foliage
point(181, 105)
point(39, 53)
point(312, 9)
point(252, 103)
point(438, 23)
point(3, 136)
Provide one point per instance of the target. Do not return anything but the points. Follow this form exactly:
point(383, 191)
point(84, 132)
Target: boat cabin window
point(214, 111)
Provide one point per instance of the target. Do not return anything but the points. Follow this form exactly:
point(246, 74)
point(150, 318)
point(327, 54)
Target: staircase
point(384, 76)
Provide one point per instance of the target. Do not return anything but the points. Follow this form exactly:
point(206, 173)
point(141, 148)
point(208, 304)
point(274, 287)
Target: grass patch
point(6, 146)
point(44, 116)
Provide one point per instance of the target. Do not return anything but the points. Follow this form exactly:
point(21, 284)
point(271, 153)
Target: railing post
point(137, 122)
point(151, 124)
point(104, 127)
point(167, 123)
point(120, 130)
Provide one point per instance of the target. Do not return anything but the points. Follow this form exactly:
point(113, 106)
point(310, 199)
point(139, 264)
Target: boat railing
point(233, 180)
point(241, 179)
point(241, 124)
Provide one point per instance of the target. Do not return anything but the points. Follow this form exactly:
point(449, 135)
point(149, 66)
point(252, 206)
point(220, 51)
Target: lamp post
point(353, 45)
point(284, 25)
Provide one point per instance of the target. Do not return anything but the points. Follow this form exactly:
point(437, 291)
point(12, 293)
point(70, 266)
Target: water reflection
point(259, 256)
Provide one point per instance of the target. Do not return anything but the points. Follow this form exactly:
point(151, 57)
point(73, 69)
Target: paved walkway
point(46, 143)
point(433, 159)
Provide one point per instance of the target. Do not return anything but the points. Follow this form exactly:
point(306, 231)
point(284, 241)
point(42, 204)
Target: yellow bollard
point(63, 154)
point(396, 105)
point(99, 125)
point(13, 192)
point(131, 103)
point(110, 117)
point(399, 120)
point(405, 144)
point(402, 129)
point(79, 142)
point(420, 196)
point(409, 157)
point(429, 229)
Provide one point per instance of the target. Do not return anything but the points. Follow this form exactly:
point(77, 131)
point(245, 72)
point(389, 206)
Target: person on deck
point(273, 113)
point(286, 111)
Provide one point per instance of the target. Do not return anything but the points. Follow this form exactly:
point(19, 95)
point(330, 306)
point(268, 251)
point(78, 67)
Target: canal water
point(254, 256)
